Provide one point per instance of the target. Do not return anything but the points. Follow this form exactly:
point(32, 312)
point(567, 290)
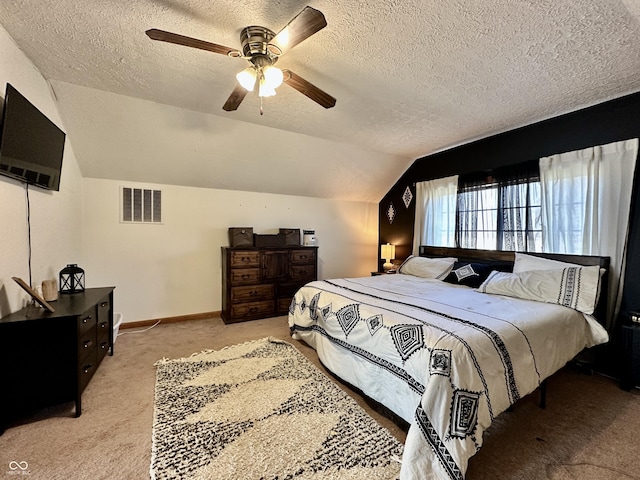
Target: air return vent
point(141, 205)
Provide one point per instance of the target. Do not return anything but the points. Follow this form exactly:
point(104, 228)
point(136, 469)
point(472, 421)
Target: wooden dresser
point(49, 357)
point(259, 282)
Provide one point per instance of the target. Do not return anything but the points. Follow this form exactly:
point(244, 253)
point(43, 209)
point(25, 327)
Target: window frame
point(498, 180)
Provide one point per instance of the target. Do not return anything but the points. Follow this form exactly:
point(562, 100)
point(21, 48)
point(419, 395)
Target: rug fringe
point(270, 339)
point(278, 340)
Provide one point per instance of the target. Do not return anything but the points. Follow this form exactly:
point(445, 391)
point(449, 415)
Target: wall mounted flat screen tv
point(31, 145)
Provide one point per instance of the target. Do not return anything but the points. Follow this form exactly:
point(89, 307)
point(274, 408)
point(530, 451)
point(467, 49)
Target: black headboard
point(503, 260)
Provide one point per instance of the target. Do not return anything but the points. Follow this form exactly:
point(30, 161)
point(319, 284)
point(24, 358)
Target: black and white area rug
point(262, 411)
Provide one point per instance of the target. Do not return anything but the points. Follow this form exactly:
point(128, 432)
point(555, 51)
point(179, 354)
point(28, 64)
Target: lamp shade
point(247, 78)
point(264, 90)
point(387, 251)
point(272, 76)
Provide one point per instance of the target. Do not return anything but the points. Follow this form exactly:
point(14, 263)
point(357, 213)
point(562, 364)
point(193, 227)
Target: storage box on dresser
point(260, 282)
point(48, 358)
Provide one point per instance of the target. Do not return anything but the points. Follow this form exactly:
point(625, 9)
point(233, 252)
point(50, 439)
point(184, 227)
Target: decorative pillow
point(427, 267)
point(573, 287)
point(469, 274)
point(527, 263)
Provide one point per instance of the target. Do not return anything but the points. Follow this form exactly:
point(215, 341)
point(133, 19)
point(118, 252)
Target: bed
point(453, 339)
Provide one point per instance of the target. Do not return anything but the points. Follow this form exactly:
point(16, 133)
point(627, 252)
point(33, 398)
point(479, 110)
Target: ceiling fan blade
point(163, 36)
point(303, 25)
point(235, 99)
point(314, 93)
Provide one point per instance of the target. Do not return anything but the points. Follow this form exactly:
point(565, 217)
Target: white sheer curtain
point(586, 195)
point(435, 220)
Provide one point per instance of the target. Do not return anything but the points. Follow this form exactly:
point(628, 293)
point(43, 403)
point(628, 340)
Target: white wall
point(163, 270)
point(175, 268)
point(55, 216)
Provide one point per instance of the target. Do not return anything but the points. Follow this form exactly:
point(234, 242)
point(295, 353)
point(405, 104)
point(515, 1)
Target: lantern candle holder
point(71, 279)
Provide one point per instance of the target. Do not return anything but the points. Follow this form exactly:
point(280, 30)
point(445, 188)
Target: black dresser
point(49, 357)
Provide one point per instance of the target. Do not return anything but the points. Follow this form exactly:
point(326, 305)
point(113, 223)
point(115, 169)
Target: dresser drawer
point(103, 328)
point(245, 276)
point(288, 289)
point(86, 344)
point(302, 273)
point(283, 305)
point(104, 307)
point(86, 369)
point(102, 348)
point(303, 256)
point(252, 293)
point(253, 309)
point(86, 321)
point(245, 259)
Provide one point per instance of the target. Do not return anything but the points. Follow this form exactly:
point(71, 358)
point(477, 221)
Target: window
point(586, 197)
point(435, 219)
point(574, 203)
point(500, 210)
point(477, 217)
point(522, 217)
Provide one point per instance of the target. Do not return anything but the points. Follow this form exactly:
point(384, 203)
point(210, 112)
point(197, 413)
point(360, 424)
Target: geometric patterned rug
point(261, 411)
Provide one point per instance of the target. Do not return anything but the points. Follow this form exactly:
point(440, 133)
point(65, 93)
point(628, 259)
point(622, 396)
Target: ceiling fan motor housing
point(255, 42)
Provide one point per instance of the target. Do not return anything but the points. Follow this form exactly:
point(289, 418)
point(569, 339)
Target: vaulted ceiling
point(410, 77)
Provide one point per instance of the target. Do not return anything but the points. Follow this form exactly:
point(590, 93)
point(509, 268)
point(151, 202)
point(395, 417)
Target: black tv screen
point(31, 145)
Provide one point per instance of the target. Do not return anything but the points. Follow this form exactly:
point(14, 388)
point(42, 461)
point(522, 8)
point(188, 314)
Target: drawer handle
point(253, 309)
point(303, 257)
point(87, 368)
point(103, 345)
point(86, 320)
point(245, 276)
point(104, 304)
point(245, 259)
point(103, 325)
point(87, 343)
point(253, 293)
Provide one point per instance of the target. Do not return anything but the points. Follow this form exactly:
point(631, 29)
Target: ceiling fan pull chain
point(261, 110)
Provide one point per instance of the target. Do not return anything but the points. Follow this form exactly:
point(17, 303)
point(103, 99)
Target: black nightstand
point(631, 356)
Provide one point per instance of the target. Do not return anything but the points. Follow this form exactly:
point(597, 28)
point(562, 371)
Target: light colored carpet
point(589, 429)
point(261, 410)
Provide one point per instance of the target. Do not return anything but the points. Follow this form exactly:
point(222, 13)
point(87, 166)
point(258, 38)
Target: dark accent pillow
point(469, 274)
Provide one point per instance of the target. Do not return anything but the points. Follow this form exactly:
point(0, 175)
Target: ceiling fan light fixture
point(247, 78)
point(264, 90)
point(272, 77)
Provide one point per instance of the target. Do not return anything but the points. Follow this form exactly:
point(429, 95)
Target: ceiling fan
point(262, 48)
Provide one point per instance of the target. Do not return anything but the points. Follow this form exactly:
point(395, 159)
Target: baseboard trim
point(181, 318)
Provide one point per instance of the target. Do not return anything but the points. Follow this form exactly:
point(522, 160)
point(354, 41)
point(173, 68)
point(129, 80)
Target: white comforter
point(444, 357)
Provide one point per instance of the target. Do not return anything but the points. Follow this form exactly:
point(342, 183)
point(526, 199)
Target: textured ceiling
point(410, 77)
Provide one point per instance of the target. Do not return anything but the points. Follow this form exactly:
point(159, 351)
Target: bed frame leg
point(543, 394)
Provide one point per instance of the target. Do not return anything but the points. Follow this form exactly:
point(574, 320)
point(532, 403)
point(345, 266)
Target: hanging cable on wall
point(26, 187)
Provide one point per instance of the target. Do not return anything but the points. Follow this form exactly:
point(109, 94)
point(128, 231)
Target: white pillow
point(527, 263)
point(427, 267)
point(573, 287)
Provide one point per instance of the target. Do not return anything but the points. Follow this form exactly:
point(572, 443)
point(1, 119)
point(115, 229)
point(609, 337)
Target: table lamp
point(387, 253)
